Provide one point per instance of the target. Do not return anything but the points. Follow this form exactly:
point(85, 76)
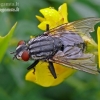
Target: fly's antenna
point(12, 52)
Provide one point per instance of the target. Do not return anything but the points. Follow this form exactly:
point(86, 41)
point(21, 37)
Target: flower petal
point(43, 76)
point(63, 12)
point(98, 36)
point(30, 76)
point(40, 18)
point(50, 14)
point(54, 17)
point(43, 24)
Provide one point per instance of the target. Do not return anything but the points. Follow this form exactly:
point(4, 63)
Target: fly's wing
point(83, 27)
point(73, 57)
point(84, 63)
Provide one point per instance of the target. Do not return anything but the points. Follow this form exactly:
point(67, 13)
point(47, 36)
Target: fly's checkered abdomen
point(74, 46)
point(44, 47)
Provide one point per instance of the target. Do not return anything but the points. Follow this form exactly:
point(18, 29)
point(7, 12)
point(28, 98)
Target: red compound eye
point(25, 56)
point(21, 42)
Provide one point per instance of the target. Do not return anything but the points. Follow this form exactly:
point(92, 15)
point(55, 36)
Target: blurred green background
point(80, 86)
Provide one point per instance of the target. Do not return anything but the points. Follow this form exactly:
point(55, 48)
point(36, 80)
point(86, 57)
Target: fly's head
point(22, 51)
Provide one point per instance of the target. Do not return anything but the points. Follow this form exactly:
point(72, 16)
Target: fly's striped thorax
point(44, 47)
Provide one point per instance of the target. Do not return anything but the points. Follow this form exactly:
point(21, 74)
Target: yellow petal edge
point(98, 36)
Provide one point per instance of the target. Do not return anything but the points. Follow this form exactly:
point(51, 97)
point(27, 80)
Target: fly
point(63, 45)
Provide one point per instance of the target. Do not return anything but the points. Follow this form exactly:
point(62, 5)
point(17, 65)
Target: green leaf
point(4, 95)
point(4, 41)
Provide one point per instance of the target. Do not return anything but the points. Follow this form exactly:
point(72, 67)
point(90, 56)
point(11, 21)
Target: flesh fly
point(64, 45)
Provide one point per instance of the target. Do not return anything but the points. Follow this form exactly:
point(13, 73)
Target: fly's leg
point(62, 48)
point(47, 30)
point(34, 70)
point(98, 69)
point(33, 65)
point(52, 70)
point(47, 27)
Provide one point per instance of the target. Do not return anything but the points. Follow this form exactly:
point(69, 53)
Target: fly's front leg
point(32, 66)
point(47, 30)
point(52, 70)
point(47, 27)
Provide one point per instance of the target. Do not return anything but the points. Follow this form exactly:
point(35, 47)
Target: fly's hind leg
point(52, 70)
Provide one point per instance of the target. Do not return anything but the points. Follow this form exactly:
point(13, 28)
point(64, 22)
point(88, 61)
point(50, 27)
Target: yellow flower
point(42, 75)
point(53, 17)
point(98, 36)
